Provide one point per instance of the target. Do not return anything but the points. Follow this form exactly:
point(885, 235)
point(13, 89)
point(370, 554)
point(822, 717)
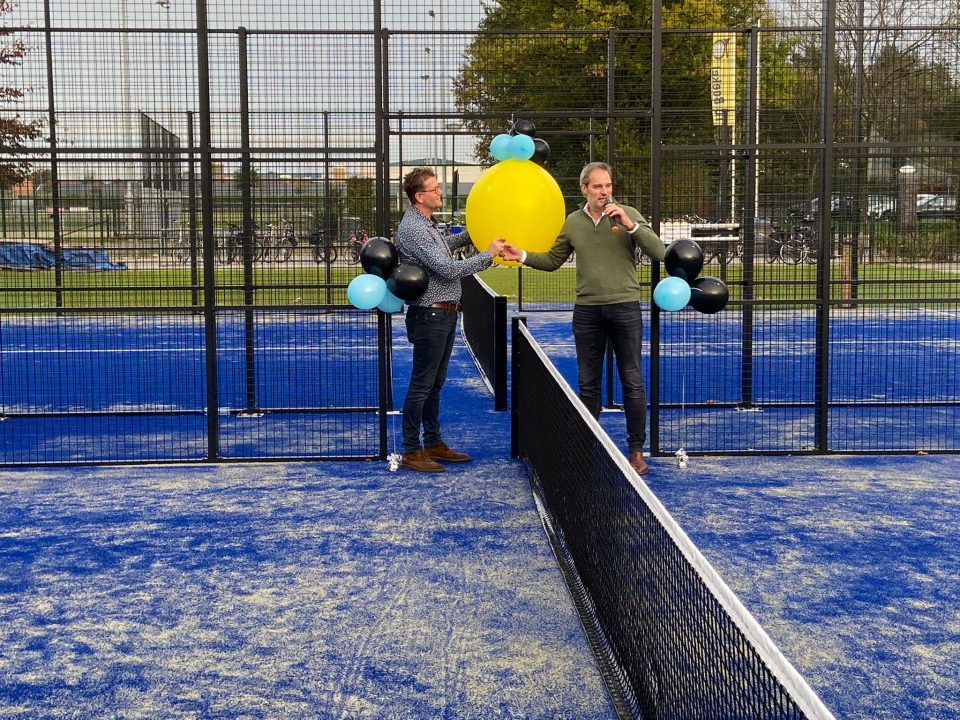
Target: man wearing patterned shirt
point(432, 318)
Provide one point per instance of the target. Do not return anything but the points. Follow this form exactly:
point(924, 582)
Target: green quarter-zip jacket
point(606, 260)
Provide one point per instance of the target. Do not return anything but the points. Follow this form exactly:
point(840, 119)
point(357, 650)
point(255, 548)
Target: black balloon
point(523, 127)
point(541, 151)
point(408, 281)
point(379, 257)
point(708, 295)
point(684, 259)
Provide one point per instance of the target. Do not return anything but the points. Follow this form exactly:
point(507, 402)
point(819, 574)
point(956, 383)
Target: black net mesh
point(673, 640)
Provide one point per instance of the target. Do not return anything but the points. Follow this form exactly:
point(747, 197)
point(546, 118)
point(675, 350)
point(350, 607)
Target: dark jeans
point(432, 332)
point(622, 323)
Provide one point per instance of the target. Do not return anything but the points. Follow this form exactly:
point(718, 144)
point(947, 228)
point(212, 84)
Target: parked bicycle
point(326, 249)
point(229, 245)
point(176, 244)
point(722, 250)
point(355, 242)
point(279, 241)
point(792, 245)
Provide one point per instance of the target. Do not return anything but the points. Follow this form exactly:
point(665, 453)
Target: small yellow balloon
point(517, 200)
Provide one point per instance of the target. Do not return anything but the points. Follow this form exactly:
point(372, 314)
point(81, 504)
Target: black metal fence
point(220, 164)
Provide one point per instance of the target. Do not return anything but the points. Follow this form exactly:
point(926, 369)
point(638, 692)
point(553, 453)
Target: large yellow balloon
point(517, 200)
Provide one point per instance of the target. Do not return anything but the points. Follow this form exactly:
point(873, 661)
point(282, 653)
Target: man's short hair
point(413, 181)
point(589, 168)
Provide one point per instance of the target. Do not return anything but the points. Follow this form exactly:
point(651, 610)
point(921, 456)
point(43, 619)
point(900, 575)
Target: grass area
point(310, 284)
point(773, 282)
point(174, 287)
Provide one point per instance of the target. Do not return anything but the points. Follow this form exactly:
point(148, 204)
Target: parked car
point(938, 207)
point(881, 207)
point(842, 207)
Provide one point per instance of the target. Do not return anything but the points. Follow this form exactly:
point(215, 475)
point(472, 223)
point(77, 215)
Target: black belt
point(454, 306)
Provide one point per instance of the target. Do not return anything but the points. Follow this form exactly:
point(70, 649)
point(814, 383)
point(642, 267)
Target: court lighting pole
point(437, 87)
point(170, 218)
point(128, 131)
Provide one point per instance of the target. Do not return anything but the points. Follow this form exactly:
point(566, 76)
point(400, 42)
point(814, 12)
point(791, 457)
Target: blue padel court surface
point(894, 380)
point(894, 384)
point(344, 589)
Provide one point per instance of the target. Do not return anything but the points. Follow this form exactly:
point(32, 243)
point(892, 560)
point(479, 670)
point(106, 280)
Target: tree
point(239, 178)
point(15, 132)
point(358, 200)
point(560, 75)
point(896, 79)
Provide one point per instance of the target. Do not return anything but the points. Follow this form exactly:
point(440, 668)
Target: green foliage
point(239, 178)
point(560, 80)
point(358, 200)
point(171, 287)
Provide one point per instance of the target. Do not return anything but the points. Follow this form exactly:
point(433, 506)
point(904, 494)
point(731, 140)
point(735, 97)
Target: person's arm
point(548, 261)
point(425, 251)
point(646, 239)
point(455, 241)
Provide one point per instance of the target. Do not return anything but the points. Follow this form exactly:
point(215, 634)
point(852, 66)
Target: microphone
point(613, 225)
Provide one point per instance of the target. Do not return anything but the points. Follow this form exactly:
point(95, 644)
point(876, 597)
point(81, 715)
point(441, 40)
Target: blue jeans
point(622, 323)
point(432, 332)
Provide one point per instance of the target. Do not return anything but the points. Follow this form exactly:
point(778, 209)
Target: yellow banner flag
point(723, 78)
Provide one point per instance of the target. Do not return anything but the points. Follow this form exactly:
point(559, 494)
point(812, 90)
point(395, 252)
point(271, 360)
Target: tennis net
point(671, 638)
point(485, 333)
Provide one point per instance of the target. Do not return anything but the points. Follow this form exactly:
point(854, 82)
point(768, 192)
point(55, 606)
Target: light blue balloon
point(366, 291)
point(500, 146)
point(522, 147)
point(390, 303)
point(671, 294)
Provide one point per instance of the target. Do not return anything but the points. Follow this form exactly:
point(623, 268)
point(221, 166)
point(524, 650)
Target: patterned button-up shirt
point(421, 242)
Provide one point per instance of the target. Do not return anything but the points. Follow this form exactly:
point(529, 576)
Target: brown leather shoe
point(638, 463)
point(440, 451)
point(421, 462)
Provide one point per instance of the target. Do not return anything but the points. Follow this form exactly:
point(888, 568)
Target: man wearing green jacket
point(605, 237)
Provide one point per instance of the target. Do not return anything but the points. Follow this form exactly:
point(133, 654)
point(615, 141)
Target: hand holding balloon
point(495, 247)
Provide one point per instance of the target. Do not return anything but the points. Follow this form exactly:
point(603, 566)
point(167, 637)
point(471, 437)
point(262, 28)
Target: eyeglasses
point(431, 190)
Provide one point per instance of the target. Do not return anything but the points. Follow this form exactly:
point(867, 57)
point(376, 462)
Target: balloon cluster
point(683, 262)
point(387, 282)
point(517, 198)
point(521, 143)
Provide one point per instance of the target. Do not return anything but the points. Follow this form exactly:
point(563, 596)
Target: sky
point(310, 85)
